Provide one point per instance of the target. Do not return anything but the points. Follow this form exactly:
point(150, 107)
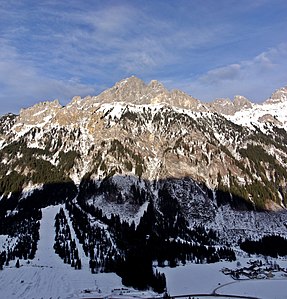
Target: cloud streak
point(22, 84)
point(254, 78)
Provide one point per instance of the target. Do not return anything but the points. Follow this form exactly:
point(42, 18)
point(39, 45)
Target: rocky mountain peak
point(156, 86)
point(279, 96)
point(242, 102)
point(134, 90)
point(182, 100)
point(132, 82)
point(76, 100)
point(228, 107)
point(39, 112)
point(128, 90)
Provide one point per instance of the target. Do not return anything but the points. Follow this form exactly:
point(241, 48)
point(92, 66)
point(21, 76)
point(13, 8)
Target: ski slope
point(48, 277)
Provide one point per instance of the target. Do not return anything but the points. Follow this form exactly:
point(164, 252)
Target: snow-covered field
point(48, 277)
point(193, 279)
point(267, 289)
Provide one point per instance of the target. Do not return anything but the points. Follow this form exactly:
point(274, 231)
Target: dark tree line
point(64, 245)
point(273, 246)
point(128, 259)
point(97, 245)
point(25, 226)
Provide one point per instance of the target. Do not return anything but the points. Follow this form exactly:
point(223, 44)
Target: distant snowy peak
point(262, 115)
point(228, 107)
point(278, 96)
point(242, 102)
point(245, 113)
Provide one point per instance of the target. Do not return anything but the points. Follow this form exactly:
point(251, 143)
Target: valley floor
point(48, 277)
point(193, 279)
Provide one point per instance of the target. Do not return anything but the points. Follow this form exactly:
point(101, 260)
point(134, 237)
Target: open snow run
point(48, 277)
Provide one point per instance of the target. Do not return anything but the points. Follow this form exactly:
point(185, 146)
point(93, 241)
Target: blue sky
point(209, 49)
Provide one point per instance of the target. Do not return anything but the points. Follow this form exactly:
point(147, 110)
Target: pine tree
point(17, 264)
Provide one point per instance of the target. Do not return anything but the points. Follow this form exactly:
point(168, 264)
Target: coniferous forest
point(139, 247)
point(25, 225)
point(273, 246)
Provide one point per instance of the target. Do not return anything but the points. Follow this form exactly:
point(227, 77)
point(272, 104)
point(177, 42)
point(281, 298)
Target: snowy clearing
point(193, 279)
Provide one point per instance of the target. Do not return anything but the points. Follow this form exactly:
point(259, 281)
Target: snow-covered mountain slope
point(145, 174)
point(263, 116)
point(138, 130)
point(149, 141)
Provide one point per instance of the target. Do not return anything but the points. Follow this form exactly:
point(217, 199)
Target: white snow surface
point(48, 277)
point(193, 279)
point(267, 289)
point(3, 240)
point(248, 117)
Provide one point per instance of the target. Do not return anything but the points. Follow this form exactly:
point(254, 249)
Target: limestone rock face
point(278, 96)
point(228, 107)
point(39, 113)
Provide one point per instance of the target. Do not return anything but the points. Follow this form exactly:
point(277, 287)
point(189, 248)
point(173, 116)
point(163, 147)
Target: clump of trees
point(64, 245)
point(272, 245)
point(24, 226)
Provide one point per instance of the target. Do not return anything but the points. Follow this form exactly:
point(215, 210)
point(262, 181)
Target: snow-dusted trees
point(96, 242)
point(25, 225)
point(64, 245)
point(115, 245)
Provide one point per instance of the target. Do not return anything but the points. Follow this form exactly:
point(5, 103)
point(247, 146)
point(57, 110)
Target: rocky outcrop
point(228, 107)
point(278, 96)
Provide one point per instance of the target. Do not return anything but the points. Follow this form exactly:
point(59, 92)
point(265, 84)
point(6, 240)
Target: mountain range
point(147, 163)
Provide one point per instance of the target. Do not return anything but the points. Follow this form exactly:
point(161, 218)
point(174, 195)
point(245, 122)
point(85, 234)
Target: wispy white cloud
point(123, 36)
point(255, 78)
point(23, 84)
point(225, 73)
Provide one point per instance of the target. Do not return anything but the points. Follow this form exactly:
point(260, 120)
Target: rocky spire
point(134, 90)
point(280, 95)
